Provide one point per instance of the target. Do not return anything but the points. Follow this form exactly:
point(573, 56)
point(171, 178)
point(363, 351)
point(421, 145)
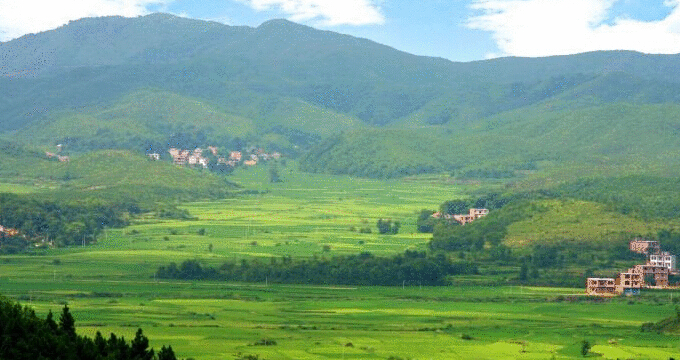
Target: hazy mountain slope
point(94, 61)
point(621, 137)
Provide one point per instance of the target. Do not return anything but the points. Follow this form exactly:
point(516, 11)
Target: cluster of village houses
point(195, 157)
point(653, 274)
point(463, 219)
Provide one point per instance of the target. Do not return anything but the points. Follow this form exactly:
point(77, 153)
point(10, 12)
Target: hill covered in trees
point(360, 107)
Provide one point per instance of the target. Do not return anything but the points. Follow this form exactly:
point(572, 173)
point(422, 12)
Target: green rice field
point(110, 286)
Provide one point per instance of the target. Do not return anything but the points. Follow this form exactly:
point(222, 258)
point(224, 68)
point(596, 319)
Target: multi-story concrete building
point(629, 283)
point(652, 275)
point(664, 259)
point(601, 286)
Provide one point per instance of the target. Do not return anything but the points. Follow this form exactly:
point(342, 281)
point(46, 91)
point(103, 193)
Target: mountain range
point(341, 104)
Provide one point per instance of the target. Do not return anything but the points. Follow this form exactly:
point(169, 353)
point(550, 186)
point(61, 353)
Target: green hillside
point(114, 175)
point(589, 213)
point(551, 137)
point(154, 119)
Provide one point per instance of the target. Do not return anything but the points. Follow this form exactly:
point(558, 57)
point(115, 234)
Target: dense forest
point(411, 268)
point(69, 220)
point(59, 223)
point(23, 335)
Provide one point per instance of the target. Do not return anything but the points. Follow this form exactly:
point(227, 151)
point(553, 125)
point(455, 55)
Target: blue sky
point(459, 30)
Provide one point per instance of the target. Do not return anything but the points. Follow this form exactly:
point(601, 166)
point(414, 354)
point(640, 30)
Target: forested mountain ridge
point(135, 82)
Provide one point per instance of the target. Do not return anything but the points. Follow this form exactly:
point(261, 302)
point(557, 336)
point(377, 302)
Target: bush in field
point(388, 226)
point(585, 347)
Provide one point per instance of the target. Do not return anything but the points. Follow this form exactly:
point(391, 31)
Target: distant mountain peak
point(278, 22)
point(283, 25)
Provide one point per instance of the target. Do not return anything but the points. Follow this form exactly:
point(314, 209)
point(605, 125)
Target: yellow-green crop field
point(110, 286)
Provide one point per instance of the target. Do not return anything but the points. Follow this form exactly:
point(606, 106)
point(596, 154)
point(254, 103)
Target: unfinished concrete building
point(629, 283)
point(473, 215)
point(601, 286)
point(654, 274)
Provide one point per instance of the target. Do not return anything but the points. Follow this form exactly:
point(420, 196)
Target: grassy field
point(110, 285)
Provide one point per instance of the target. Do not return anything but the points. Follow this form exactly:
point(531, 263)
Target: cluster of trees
point(388, 226)
point(489, 230)
point(669, 240)
point(412, 267)
point(23, 335)
point(64, 223)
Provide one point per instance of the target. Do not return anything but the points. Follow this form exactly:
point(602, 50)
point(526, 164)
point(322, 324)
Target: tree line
point(23, 335)
point(412, 267)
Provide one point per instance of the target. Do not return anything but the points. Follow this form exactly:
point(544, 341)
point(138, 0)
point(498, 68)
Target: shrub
point(265, 342)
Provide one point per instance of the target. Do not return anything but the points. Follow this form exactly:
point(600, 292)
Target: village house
point(235, 155)
point(250, 162)
point(473, 215)
point(179, 157)
point(8, 231)
point(643, 246)
point(154, 156)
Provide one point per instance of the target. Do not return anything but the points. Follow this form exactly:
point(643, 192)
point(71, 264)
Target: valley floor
point(110, 286)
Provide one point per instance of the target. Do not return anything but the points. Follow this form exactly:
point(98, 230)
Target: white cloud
point(19, 17)
point(558, 27)
point(324, 12)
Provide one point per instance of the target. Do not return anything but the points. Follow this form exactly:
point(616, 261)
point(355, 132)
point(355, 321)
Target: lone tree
point(274, 176)
point(585, 347)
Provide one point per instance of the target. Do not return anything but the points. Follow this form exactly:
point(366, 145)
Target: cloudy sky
point(459, 30)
